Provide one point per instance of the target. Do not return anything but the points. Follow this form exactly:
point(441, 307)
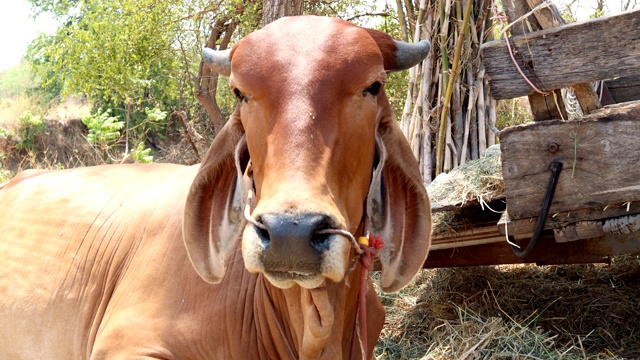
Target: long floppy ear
point(398, 208)
point(213, 215)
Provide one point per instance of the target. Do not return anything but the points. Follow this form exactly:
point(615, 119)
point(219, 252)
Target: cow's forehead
point(307, 49)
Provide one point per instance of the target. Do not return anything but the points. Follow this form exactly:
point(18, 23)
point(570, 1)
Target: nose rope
point(346, 234)
point(366, 247)
point(254, 222)
point(247, 212)
point(369, 245)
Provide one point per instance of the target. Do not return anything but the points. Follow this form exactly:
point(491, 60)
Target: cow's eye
point(374, 89)
point(239, 95)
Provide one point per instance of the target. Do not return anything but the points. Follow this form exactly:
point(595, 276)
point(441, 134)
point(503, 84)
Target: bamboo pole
point(449, 90)
point(403, 22)
point(457, 82)
point(406, 121)
point(472, 100)
point(410, 15)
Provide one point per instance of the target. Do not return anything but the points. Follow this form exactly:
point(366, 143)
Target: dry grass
point(476, 181)
point(517, 312)
point(63, 145)
point(10, 110)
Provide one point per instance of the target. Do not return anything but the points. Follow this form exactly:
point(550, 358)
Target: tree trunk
point(275, 9)
point(207, 80)
point(127, 117)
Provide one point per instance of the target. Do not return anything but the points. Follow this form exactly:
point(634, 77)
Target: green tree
point(118, 53)
point(130, 55)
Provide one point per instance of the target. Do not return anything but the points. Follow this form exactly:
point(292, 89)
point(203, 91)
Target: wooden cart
point(593, 209)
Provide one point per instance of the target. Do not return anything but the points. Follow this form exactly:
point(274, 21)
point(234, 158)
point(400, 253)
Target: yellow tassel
point(363, 240)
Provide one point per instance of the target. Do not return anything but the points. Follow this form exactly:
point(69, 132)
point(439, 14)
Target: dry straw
point(517, 312)
point(479, 181)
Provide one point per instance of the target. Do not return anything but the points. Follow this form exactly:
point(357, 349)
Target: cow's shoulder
point(22, 176)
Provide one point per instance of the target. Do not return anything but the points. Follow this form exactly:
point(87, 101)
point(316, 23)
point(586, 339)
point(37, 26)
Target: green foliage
point(141, 155)
point(115, 52)
point(104, 129)
point(6, 133)
point(512, 112)
point(15, 81)
point(356, 11)
point(133, 55)
point(5, 175)
point(156, 119)
point(29, 127)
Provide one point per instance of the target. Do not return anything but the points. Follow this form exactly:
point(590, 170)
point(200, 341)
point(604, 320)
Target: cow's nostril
point(320, 241)
point(263, 232)
point(303, 237)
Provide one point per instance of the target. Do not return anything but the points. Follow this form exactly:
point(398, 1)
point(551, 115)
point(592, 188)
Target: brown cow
point(93, 263)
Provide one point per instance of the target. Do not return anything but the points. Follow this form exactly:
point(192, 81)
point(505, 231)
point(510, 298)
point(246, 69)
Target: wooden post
point(549, 17)
point(543, 107)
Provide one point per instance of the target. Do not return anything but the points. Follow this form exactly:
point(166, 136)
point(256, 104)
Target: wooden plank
point(547, 107)
point(598, 49)
point(592, 229)
point(561, 219)
point(625, 88)
point(587, 97)
point(548, 252)
point(579, 231)
point(549, 17)
point(543, 107)
point(622, 225)
point(603, 148)
point(471, 237)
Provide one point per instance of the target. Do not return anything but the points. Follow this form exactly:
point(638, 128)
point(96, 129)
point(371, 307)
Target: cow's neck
point(308, 324)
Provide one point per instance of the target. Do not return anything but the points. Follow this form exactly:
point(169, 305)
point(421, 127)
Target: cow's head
point(314, 141)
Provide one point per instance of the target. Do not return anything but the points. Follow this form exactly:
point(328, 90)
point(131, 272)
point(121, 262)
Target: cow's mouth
point(287, 279)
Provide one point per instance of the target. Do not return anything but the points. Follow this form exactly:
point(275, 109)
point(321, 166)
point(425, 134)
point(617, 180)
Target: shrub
point(6, 133)
point(29, 127)
point(141, 155)
point(5, 174)
point(104, 129)
point(157, 118)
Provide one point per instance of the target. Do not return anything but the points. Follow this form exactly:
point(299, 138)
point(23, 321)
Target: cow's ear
point(398, 209)
point(213, 216)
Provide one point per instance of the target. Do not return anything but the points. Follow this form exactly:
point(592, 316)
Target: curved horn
point(218, 60)
point(408, 55)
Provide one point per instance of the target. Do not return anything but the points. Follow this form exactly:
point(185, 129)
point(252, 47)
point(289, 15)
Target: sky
point(18, 29)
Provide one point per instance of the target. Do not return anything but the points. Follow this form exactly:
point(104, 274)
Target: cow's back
point(69, 241)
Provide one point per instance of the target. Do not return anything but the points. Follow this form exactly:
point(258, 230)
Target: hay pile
point(517, 312)
point(479, 180)
point(476, 182)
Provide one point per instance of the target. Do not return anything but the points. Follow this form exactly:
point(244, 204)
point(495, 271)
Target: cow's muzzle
point(295, 248)
point(294, 243)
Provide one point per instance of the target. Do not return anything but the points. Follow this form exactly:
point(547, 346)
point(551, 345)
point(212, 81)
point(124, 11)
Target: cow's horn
point(218, 60)
point(409, 54)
